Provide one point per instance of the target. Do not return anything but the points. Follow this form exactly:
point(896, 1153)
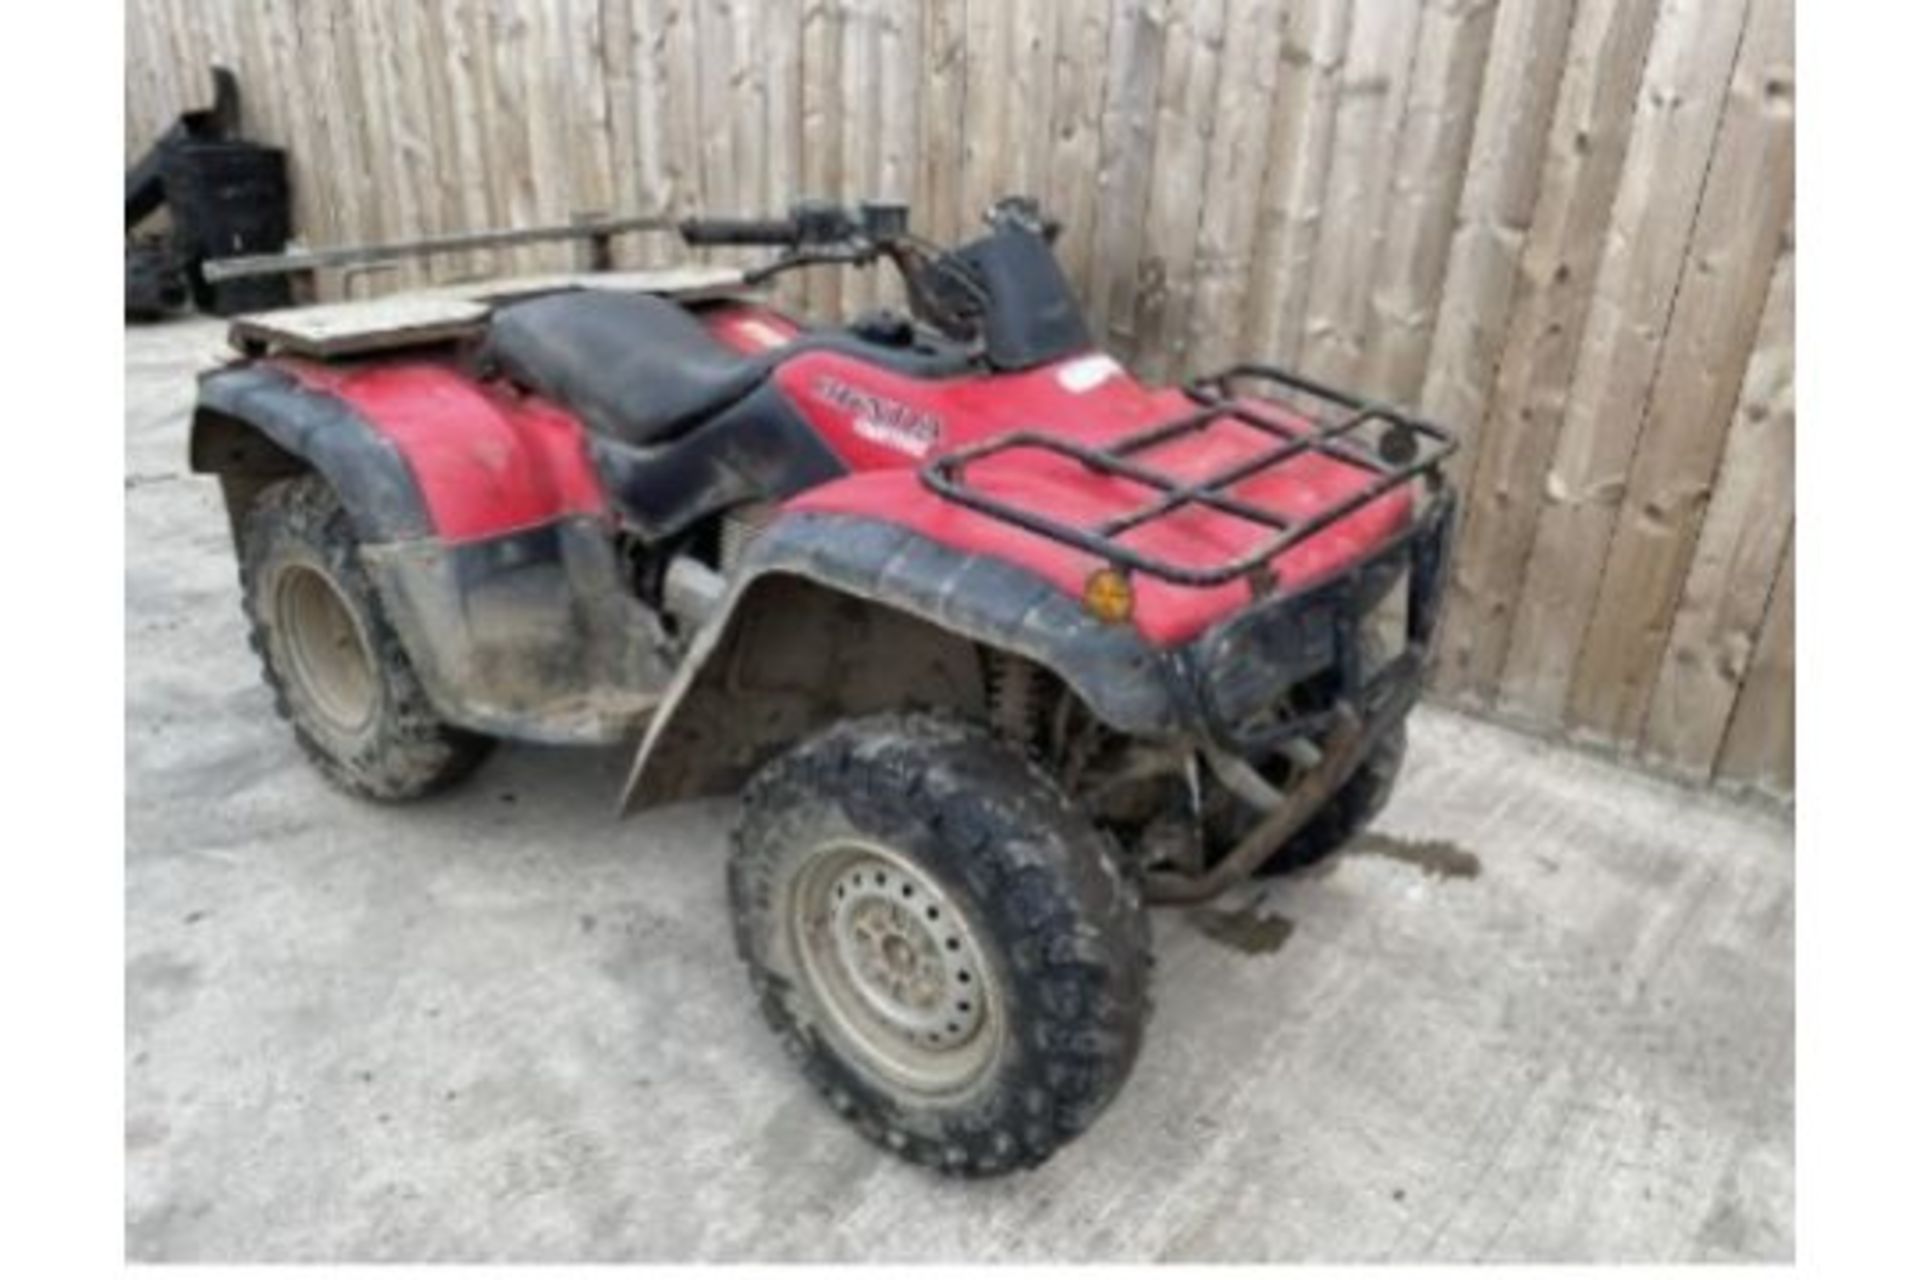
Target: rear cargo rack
point(1406, 448)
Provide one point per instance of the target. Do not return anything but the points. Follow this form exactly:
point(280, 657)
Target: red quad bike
point(998, 644)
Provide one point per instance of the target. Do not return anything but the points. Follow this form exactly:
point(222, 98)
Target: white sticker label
point(763, 333)
point(1086, 373)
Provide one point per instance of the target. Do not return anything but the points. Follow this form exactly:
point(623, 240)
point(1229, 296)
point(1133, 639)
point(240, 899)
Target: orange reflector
point(1108, 595)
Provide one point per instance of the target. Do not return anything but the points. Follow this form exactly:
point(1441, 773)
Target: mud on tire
point(337, 670)
point(1034, 898)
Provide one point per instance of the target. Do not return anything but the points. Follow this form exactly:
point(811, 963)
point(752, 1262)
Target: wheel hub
point(896, 967)
point(326, 650)
point(886, 927)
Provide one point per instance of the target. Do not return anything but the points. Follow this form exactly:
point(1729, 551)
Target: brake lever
point(857, 255)
point(760, 275)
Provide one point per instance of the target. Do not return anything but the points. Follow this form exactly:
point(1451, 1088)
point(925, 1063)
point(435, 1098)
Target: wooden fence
point(1561, 226)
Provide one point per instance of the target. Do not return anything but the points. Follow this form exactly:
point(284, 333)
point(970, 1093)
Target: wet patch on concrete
point(144, 1132)
point(1442, 859)
point(158, 984)
point(1246, 929)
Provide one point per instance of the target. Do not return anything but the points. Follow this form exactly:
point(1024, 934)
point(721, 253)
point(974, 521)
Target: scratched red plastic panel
point(979, 408)
point(750, 328)
point(488, 461)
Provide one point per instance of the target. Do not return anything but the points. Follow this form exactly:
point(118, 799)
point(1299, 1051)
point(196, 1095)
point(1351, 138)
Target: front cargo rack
point(1404, 449)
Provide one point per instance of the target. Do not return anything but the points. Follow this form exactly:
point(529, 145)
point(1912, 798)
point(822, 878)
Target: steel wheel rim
point(896, 969)
point(326, 648)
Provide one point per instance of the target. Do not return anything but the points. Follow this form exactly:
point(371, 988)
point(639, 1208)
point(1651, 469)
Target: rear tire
point(337, 671)
point(946, 946)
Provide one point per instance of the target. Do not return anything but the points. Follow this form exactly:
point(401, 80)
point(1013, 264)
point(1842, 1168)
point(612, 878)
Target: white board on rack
point(448, 313)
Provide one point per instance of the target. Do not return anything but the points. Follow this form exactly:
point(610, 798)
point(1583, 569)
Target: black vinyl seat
point(636, 368)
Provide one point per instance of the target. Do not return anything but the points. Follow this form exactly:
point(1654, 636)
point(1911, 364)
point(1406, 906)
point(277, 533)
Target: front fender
point(914, 592)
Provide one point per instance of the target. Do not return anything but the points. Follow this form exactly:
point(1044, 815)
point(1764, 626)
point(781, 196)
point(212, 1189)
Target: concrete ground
point(1546, 1013)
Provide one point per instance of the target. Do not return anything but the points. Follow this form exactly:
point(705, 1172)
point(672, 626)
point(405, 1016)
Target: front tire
point(947, 947)
point(337, 670)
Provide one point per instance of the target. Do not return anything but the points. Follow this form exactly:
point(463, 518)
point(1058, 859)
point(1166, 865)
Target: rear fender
point(256, 423)
point(498, 574)
point(834, 616)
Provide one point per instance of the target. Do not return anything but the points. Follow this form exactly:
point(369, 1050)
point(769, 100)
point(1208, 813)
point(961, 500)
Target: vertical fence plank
point(784, 145)
point(263, 115)
point(677, 58)
point(1424, 193)
point(1724, 284)
point(1586, 150)
point(748, 109)
point(1758, 749)
point(432, 87)
point(1373, 93)
point(553, 107)
point(861, 112)
point(328, 36)
point(1079, 78)
point(1525, 66)
point(1031, 85)
point(393, 209)
point(899, 125)
point(1711, 644)
point(984, 138)
point(143, 102)
point(466, 108)
point(631, 170)
point(284, 67)
point(822, 162)
point(407, 71)
point(1183, 132)
point(179, 34)
point(637, 103)
point(1679, 113)
point(713, 75)
point(1135, 42)
point(586, 44)
point(938, 190)
point(1293, 193)
point(1229, 206)
point(505, 40)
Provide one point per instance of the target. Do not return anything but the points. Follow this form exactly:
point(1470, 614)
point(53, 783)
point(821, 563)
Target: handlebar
point(773, 232)
point(811, 224)
point(943, 287)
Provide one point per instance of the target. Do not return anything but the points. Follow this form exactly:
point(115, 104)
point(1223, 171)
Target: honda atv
point(998, 644)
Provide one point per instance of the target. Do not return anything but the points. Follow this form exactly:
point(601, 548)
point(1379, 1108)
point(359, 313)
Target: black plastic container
point(228, 199)
point(155, 287)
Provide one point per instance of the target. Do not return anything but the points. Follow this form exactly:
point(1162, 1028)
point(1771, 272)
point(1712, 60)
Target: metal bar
point(1174, 499)
point(1150, 437)
point(1100, 460)
point(1272, 373)
point(1343, 753)
point(1208, 490)
point(1160, 508)
point(941, 480)
point(595, 252)
point(1250, 415)
point(301, 261)
point(947, 475)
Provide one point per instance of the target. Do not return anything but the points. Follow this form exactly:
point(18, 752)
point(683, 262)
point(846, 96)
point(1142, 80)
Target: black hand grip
point(756, 231)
